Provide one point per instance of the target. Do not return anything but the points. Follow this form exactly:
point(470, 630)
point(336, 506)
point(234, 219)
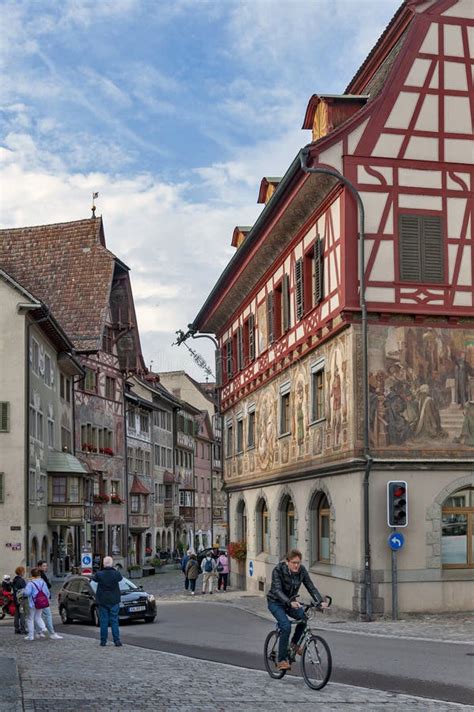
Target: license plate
point(136, 609)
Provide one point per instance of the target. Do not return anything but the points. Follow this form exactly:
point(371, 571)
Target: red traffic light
point(398, 491)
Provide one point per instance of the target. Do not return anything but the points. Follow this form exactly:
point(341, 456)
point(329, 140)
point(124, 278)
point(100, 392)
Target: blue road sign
point(86, 559)
point(396, 541)
point(250, 568)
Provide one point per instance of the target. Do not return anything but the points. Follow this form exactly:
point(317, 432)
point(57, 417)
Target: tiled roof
point(138, 487)
point(69, 268)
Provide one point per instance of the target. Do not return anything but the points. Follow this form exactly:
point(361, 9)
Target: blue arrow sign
point(396, 541)
point(250, 568)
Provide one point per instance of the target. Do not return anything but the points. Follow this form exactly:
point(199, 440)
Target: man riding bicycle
point(287, 578)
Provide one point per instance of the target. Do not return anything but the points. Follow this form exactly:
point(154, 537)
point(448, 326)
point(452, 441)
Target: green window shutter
point(228, 348)
point(299, 289)
point(251, 337)
point(270, 318)
point(318, 271)
point(432, 249)
point(240, 349)
point(410, 248)
point(4, 417)
point(285, 288)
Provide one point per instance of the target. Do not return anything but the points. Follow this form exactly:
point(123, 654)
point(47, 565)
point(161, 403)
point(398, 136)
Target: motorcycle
point(7, 604)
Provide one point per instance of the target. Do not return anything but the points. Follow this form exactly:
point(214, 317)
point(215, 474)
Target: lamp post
point(181, 337)
point(304, 153)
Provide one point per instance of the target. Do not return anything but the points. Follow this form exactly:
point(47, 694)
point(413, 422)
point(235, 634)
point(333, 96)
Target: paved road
point(222, 633)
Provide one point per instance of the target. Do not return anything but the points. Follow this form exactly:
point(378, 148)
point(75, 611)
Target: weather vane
point(94, 196)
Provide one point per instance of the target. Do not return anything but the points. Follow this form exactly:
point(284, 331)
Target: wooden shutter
point(228, 356)
point(285, 288)
point(318, 271)
point(299, 289)
point(410, 248)
point(432, 249)
point(270, 318)
point(4, 416)
point(218, 367)
point(251, 324)
point(240, 349)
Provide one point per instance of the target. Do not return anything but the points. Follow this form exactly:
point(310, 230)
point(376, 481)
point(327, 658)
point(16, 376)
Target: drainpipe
point(304, 153)
point(125, 467)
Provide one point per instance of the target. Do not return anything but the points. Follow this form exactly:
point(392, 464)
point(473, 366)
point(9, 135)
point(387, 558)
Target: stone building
point(322, 406)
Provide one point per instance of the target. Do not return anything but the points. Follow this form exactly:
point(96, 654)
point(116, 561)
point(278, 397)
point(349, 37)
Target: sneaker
point(283, 665)
point(118, 644)
point(55, 636)
point(28, 637)
point(193, 593)
point(210, 593)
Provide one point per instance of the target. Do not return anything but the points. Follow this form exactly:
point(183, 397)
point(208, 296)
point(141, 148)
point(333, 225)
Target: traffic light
point(397, 503)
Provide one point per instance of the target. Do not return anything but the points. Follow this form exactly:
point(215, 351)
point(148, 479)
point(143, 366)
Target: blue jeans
point(281, 613)
point(109, 615)
point(48, 619)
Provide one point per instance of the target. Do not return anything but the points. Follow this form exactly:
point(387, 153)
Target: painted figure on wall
point(300, 409)
point(462, 372)
point(429, 422)
point(266, 430)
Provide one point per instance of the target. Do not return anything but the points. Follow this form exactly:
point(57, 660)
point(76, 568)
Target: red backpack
point(41, 600)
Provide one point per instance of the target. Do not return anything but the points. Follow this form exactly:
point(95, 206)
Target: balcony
point(138, 523)
point(187, 513)
point(171, 511)
point(66, 514)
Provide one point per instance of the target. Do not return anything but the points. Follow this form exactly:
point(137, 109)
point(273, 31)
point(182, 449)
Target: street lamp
point(304, 153)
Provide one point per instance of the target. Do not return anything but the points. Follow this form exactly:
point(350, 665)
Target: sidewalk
point(77, 674)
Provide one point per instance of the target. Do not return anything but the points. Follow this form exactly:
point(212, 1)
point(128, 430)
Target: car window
point(75, 585)
point(125, 586)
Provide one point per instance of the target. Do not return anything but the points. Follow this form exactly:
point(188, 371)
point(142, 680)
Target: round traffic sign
point(396, 540)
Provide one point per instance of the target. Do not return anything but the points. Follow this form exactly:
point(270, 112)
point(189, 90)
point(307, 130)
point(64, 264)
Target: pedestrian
point(184, 563)
point(222, 569)
point(38, 598)
point(47, 612)
point(7, 584)
point(108, 600)
point(18, 584)
point(192, 572)
point(208, 567)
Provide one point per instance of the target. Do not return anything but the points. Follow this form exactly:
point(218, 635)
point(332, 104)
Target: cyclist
point(287, 578)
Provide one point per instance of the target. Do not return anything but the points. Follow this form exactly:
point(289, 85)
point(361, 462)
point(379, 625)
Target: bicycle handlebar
point(307, 606)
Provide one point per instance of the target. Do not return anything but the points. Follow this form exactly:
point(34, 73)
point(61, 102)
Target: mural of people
point(266, 430)
point(462, 371)
point(429, 422)
point(300, 409)
point(398, 427)
point(467, 432)
point(336, 401)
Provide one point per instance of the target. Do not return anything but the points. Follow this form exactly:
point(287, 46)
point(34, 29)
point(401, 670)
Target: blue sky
point(173, 111)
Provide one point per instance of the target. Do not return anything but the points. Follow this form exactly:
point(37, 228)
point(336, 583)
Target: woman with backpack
point(38, 597)
point(192, 572)
point(223, 571)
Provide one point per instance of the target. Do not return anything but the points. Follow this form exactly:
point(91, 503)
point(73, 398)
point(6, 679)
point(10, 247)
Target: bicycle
point(316, 660)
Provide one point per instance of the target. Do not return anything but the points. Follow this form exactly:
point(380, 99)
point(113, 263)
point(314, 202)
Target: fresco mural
point(421, 388)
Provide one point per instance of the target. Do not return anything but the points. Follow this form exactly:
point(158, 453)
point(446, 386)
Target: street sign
point(396, 540)
point(86, 562)
point(250, 568)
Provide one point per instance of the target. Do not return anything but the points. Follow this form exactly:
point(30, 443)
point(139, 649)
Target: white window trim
point(285, 390)
point(315, 368)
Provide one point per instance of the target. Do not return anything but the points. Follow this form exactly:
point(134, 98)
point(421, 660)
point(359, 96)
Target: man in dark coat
point(108, 600)
point(287, 577)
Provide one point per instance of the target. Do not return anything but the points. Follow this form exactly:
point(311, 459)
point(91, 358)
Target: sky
point(173, 110)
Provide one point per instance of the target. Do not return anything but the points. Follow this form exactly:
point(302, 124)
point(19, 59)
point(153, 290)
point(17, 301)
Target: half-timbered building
point(332, 385)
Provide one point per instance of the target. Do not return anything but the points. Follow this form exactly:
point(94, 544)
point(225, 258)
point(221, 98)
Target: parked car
point(76, 601)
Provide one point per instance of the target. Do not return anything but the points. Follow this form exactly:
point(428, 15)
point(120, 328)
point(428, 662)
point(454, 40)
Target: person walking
point(222, 568)
point(184, 563)
point(38, 598)
point(192, 572)
point(47, 612)
point(18, 584)
point(208, 567)
point(108, 599)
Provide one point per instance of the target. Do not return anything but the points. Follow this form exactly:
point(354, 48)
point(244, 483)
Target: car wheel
point(95, 617)
point(65, 617)
point(150, 619)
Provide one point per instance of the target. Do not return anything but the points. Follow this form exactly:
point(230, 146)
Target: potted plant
point(108, 451)
point(135, 571)
point(238, 550)
point(115, 499)
point(101, 498)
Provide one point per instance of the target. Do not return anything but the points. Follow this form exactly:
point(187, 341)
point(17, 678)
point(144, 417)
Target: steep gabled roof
point(138, 487)
point(68, 267)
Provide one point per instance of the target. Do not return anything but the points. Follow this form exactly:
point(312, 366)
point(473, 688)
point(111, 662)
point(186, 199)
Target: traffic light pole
point(394, 583)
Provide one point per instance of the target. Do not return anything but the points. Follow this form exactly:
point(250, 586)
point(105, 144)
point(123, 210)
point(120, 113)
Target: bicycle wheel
point(270, 655)
point(316, 663)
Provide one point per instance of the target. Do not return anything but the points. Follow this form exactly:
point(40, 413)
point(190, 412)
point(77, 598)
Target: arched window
point(263, 528)
point(287, 526)
point(457, 530)
point(320, 525)
point(241, 521)
point(158, 541)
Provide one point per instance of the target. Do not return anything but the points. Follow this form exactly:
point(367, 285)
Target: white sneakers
point(55, 636)
point(28, 637)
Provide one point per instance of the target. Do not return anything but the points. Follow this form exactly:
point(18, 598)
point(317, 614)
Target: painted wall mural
point(421, 388)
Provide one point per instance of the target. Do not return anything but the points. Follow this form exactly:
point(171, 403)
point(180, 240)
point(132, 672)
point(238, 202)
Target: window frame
point(318, 370)
point(468, 512)
point(284, 408)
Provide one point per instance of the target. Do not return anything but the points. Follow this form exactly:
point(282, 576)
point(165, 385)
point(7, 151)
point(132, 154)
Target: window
point(185, 498)
point(135, 503)
point(90, 380)
point(319, 529)
point(130, 459)
point(157, 455)
point(65, 388)
point(239, 348)
point(108, 340)
point(50, 433)
point(318, 271)
point(169, 454)
point(421, 248)
point(457, 530)
point(32, 486)
point(139, 460)
point(66, 440)
point(110, 388)
point(4, 417)
point(317, 391)
point(2, 488)
point(115, 488)
point(241, 521)
point(47, 370)
point(146, 462)
point(59, 488)
point(270, 317)
point(229, 366)
point(34, 356)
point(263, 528)
point(249, 340)
point(287, 526)
point(73, 490)
point(36, 423)
point(299, 285)
point(285, 409)
point(240, 434)
point(161, 493)
point(251, 428)
point(163, 456)
point(229, 440)
point(131, 418)
point(144, 422)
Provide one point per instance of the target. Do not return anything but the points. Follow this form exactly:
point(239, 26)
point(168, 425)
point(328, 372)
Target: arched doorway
point(320, 528)
point(169, 543)
point(241, 521)
point(34, 552)
point(288, 536)
point(158, 542)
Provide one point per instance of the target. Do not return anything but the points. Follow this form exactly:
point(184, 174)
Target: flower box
point(101, 498)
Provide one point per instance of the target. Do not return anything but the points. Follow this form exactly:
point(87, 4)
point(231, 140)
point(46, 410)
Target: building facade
point(313, 429)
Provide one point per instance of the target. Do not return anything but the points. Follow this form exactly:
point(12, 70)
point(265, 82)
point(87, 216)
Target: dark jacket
point(286, 585)
point(17, 584)
point(45, 579)
point(192, 568)
point(108, 589)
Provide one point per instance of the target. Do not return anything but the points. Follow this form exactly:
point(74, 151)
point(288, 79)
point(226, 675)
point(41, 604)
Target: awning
point(65, 463)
